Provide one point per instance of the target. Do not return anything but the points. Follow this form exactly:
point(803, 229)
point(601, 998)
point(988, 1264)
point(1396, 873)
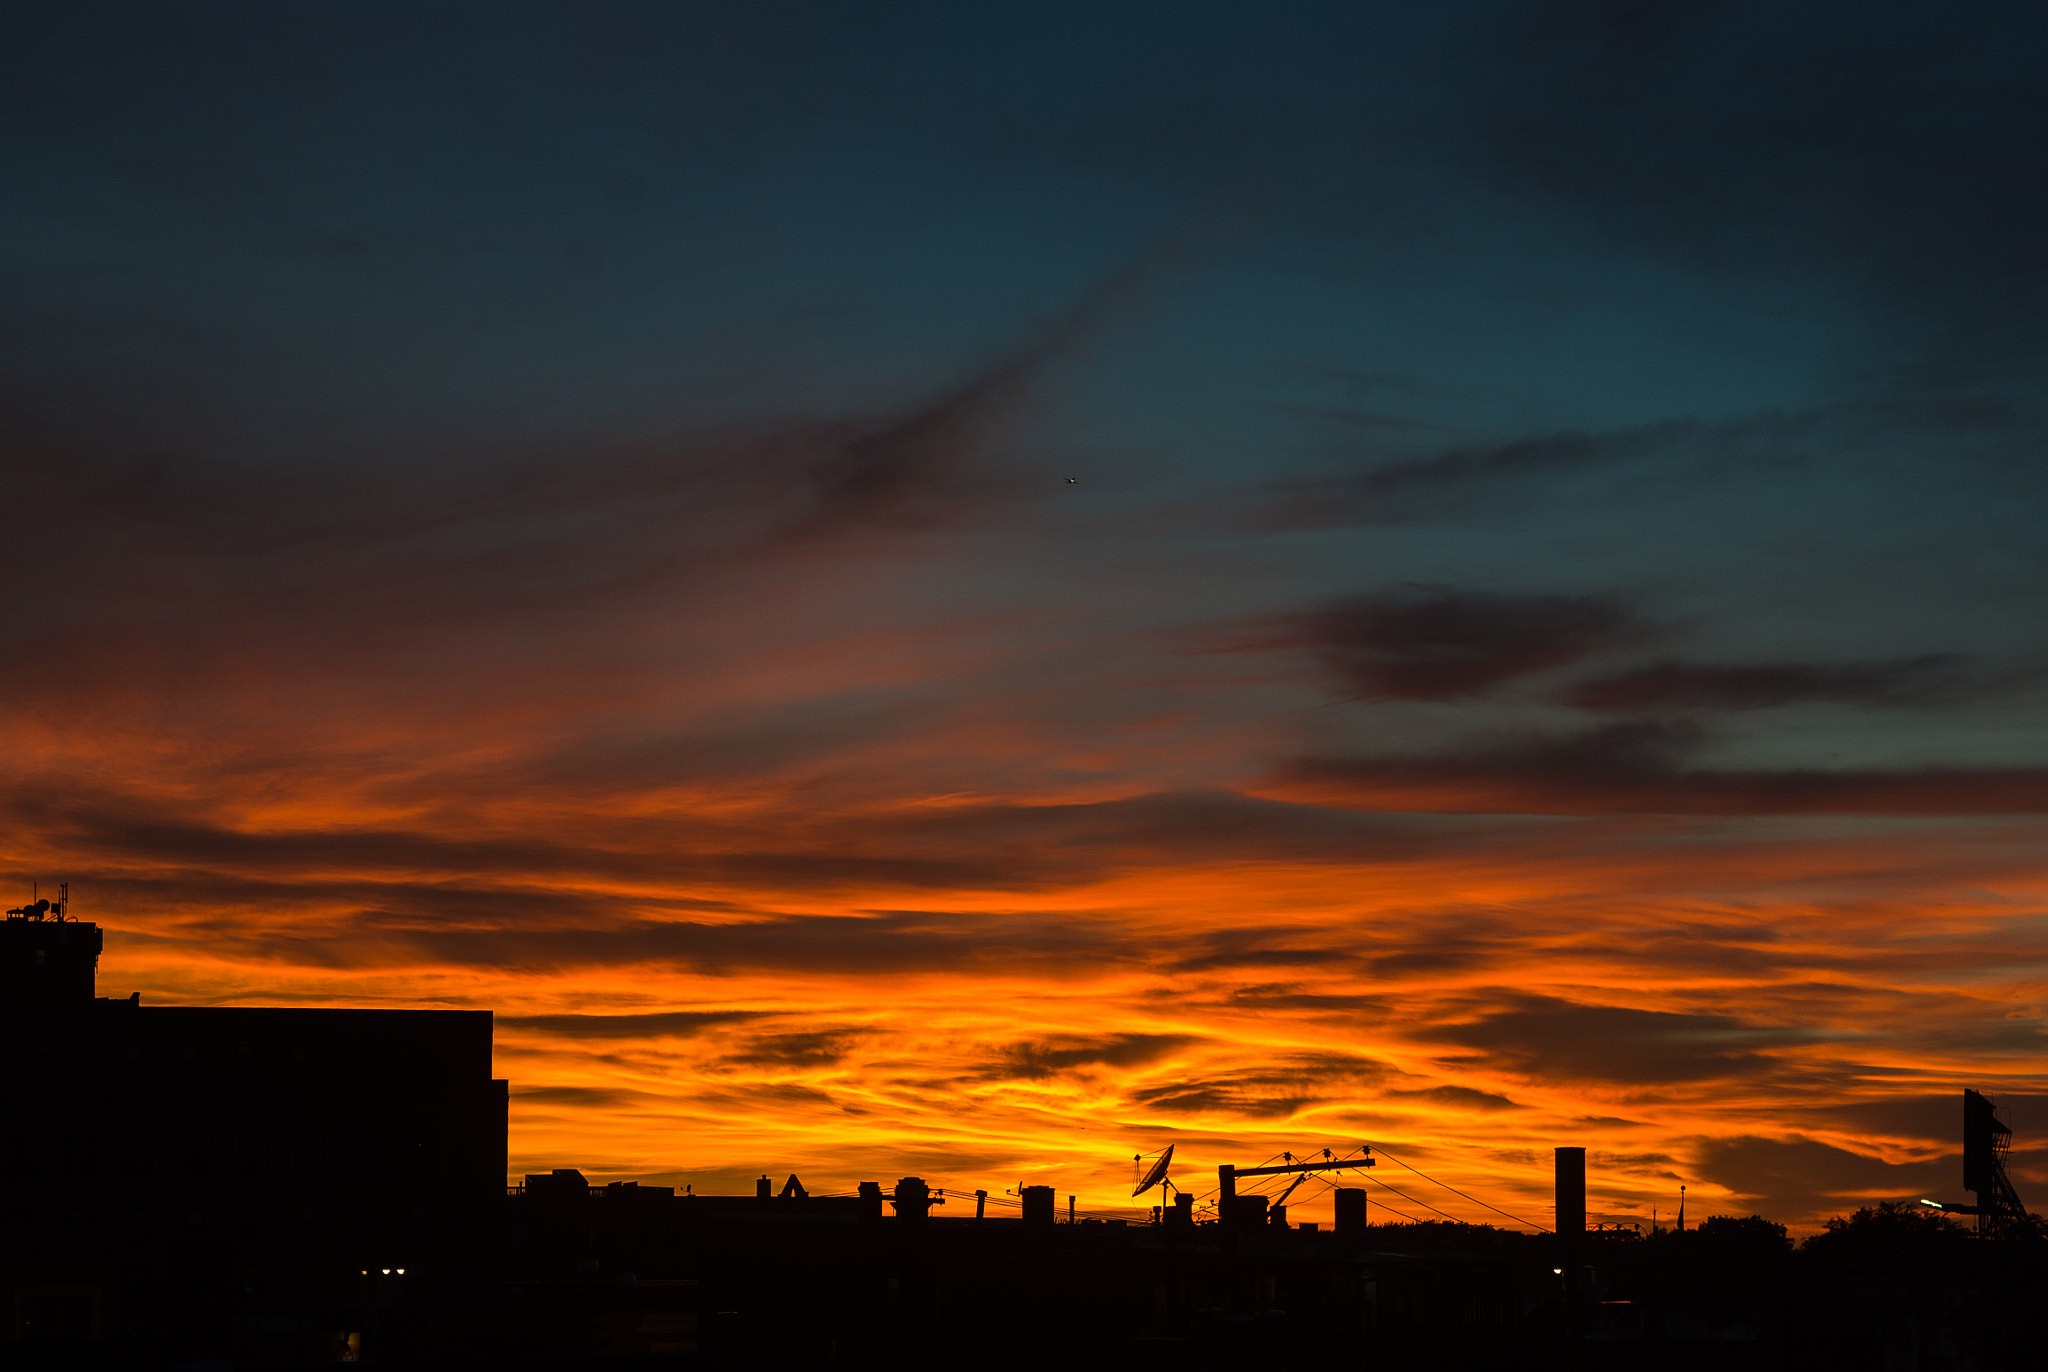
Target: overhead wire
point(1217, 1190)
point(1402, 1213)
point(1455, 1191)
point(1329, 1185)
point(1417, 1200)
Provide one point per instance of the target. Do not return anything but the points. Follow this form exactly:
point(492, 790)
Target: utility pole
point(1227, 1208)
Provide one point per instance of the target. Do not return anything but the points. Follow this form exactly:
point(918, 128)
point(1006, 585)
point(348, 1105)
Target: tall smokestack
point(1571, 1193)
point(1351, 1212)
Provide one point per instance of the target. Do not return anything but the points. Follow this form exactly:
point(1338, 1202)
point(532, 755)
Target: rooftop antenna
point(38, 908)
point(1155, 1175)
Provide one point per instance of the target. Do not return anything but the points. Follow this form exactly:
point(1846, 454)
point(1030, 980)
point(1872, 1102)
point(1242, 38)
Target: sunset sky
point(976, 590)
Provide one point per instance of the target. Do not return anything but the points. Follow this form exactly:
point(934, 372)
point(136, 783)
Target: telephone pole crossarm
point(1299, 1167)
point(1226, 1175)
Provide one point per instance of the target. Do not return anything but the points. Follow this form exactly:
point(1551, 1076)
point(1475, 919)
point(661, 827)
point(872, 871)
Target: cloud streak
point(1933, 679)
point(1639, 768)
point(1445, 645)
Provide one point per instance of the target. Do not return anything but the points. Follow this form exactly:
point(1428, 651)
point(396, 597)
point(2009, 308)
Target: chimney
point(1038, 1203)
point(1246, 1211)
point(913, 1199)
point(764, 1189)
point(1571, 1194)
point(1351, 1213)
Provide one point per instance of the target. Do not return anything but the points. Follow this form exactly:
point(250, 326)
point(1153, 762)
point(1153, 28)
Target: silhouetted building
point(174, 1168)
point(801, 1281)
point(1570, 1192)
point(1352, 1214)
point(284, 1187)
point(1037, 1204)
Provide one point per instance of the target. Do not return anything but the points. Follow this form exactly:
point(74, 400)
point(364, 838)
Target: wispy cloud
point(1642, 768)
point(1936, 678)
point(1038, 1059)
point(1540, 1037)
point(1433, 644)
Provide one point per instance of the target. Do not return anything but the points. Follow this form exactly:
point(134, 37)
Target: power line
point(1416, 1200)
point(1454, 1190)
point(1217, 1190)
point(1403, 1214)
point(1327, 1184)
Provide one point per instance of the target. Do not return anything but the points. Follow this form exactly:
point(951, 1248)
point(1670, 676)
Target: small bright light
point(366, 1271)
point(1558, 1270)
point(385, 1270)
point(401, 1271)
point(1936, 1204)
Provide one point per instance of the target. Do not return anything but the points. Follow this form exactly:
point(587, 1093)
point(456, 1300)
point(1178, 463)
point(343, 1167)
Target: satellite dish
point(1157, 1172)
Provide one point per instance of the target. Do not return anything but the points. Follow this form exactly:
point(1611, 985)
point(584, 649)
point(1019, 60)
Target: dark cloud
point(1799, 1178)
point(377, 573)
point(321, 563)
point(1676, 456)
point(1452, 482)
point(1206, 1098)
point(1637, 768)
point(905, 470)
point(1546, 1039)
point(1277, 1092)
point(1459, 1097)
point(1440, 645)
point(816, 1048)
point(818, 943)
point(1290, 996)
point(1011, 846)
point(1036, 1059)
point(580, 1097)
point(740, 1099)
point(1757, 686)
point(1241, 956)
point(1558, 475)
point(1932, 1118)
point(660, 1024)
point(1450, 953)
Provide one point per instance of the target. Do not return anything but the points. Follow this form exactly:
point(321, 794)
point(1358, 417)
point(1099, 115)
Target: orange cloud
point(781, 845)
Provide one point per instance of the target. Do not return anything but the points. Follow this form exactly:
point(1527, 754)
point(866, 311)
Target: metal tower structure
point(1986, 1138)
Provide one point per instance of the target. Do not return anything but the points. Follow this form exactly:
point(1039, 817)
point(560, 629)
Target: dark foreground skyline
point(923, 589)
point(202, 1187)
